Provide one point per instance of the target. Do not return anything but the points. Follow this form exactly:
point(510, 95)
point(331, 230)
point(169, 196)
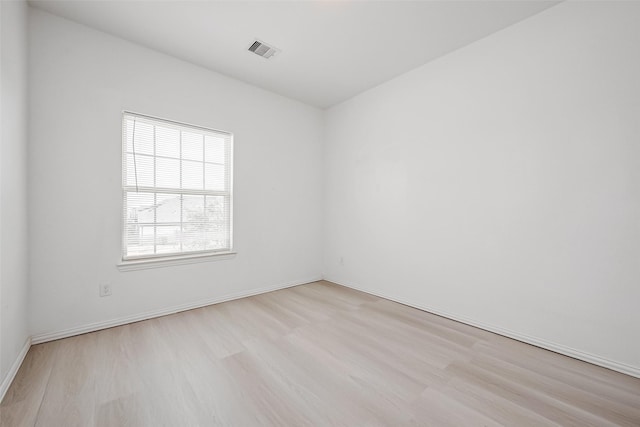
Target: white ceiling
point(331, 50)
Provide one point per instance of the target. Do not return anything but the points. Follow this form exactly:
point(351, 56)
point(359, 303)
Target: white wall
point(501, 183)
point(80, 81)
point(13, 186)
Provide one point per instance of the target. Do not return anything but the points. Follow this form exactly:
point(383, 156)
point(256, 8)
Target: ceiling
point(331, 50)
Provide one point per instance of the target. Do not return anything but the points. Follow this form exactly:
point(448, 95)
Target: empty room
point(319, 213)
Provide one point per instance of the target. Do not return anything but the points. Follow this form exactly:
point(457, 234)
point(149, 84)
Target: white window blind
point(176, 187)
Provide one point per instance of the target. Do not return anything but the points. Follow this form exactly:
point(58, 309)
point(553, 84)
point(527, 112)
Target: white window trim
point(168, 261)
point(159, 260)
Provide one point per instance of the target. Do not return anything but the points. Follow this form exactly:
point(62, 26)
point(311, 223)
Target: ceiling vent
point(263, 49)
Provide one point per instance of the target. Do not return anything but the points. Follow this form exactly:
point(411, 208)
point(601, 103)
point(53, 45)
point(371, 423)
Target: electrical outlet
point(105, 289)
point(341, 261)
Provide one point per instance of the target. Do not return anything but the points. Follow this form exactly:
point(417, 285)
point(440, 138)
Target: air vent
point(263, 49)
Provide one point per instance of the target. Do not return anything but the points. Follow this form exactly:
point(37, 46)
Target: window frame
point(173, 258)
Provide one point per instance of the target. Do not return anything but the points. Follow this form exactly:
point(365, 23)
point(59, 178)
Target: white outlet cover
point(105, 289)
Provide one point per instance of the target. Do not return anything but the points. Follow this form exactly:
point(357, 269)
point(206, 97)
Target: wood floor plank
point(69, 398)
point(313, 355)
point(436, 409)
point(499, 408)
point(23, 399)
point(525, 397)
point(589, 401)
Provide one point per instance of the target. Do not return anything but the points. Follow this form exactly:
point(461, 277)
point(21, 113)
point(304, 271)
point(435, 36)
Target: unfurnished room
point(319, 213)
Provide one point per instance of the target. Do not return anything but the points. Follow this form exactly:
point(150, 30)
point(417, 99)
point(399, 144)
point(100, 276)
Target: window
point(176, 188)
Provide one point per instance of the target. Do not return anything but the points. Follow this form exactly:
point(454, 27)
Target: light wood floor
point(316, 354)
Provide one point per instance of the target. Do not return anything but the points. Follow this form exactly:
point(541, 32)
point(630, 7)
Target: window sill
point(143, 264)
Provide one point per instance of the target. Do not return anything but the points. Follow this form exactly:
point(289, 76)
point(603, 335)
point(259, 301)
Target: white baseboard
point(8, 379)
point(92, 327)
point(548, 345)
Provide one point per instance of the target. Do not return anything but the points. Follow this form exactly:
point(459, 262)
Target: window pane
point(192, 146)
point(214, 178)
point(218, 214)
point(167, 239)
point(167, 142)
point(192, 175)
point(167, 173)
point(195, 223)
point(214, 149)
point(138, 232)
point(192, 208)
point(140, 207)
point(168, 208)
point(140, 173)
point(216, 209)
point(144, 245)
point(131, 172)
point(141, 137)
